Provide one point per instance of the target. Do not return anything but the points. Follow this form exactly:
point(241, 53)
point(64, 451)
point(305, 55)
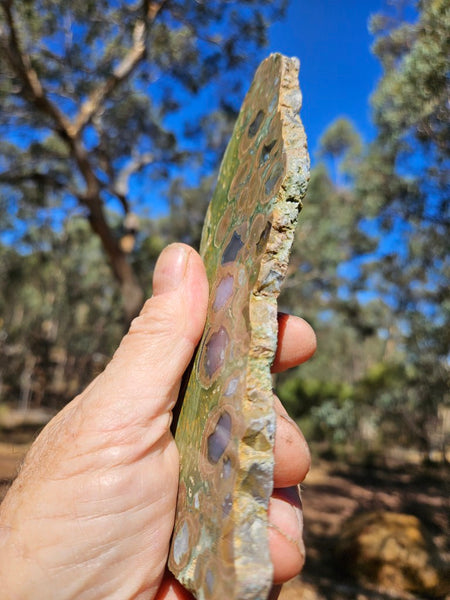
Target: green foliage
point(110, 136)
point(409, 158)
point(100, 102)
point(372, 254)
point(76, 50)
point(326, 394)
point(303, 395)
point(406, 174)
point(60, 317)
point(340, 138)
point(342, 144)
point(412, 97)
point(187, 210)
point(99, 97)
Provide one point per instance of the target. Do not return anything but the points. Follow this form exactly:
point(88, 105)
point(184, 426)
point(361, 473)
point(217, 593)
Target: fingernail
point(170, 269)
point(289, 505)
point(291, 421)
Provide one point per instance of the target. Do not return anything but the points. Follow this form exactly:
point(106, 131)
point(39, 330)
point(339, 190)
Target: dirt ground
point(333, 492)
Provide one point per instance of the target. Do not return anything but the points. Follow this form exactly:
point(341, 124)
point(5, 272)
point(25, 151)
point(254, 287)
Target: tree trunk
point(132, 294)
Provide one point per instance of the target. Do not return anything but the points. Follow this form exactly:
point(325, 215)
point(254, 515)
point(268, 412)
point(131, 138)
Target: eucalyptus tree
point(405, 178)
point(100, 101)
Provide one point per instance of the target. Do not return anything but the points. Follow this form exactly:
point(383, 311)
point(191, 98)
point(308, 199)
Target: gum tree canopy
point(92, 97)
point(406, 177)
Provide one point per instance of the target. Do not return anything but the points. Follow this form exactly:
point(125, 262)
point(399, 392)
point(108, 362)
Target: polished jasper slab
point(225, 432)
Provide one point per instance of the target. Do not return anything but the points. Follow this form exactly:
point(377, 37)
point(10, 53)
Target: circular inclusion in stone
point(223, 292)
point(215, 349)
point(219, 439)
point(181, 543)
point(255, 124)
point(231, 251)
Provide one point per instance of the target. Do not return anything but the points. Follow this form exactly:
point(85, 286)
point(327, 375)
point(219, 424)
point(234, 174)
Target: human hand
point(91, 513)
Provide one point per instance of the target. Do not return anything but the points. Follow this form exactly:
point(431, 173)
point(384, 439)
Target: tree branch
point(36, 177)
point(21, 65)
point(34, 93)
point(123, 70)
point(120, 185)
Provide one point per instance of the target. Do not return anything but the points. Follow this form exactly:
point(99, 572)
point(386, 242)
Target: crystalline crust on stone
point(226, 428)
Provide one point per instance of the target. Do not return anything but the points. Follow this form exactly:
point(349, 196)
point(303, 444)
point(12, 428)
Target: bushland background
point(113, 119)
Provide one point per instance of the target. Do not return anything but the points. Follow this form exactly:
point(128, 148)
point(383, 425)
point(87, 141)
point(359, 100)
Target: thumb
point(142, 380)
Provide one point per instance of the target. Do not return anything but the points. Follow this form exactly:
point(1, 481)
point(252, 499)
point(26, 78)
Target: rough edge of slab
point(263, 322)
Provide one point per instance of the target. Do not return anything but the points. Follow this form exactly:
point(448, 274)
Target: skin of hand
point(91, 512)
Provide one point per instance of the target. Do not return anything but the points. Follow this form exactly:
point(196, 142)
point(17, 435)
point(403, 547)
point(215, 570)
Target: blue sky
point(338, 71)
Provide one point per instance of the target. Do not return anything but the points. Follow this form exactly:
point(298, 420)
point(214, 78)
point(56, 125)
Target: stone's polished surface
point(226, 428)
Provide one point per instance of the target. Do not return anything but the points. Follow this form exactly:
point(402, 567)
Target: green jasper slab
point(226, 427)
